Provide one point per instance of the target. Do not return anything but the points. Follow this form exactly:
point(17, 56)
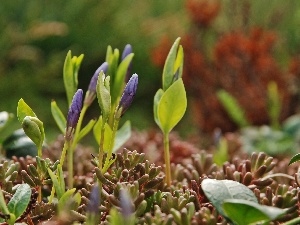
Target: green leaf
point(33, 128)
point(217, 191)
point(58, 117)
point(86, 129)
point(3, 206)
point(172, 106)
point(168, 71)
point(221, 154)
point(107, 134)
point(76, 61)
point(178, 66)
point(119, 80)
point(56, 180)
point(24, 110)
point(20, 200)
point(112, 58)
point(122, 135)
point(157, 98)
point(295, 158)
point(69, 79)
point(103, 95)
point(65, 198)
point(243, 212)
point(232, 108)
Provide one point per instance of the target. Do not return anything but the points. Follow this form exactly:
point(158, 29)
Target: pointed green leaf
point(3, 206)
point(103, 95)
point(61, 179)
point(119, 80)
point(157, 98)
point(56, 184)
point(217, 191)
point(69, 79)
point(86, 129)
point(243, 212)
point(172, 106)
point(112, 58)
point(122, 135)
point(24, 110)
point(168, 71)
point(65, 198)
point(20, 200)
point(232, 108)
point(178, 66)
point(295, 158)
point(76, 66)
point(59, 117)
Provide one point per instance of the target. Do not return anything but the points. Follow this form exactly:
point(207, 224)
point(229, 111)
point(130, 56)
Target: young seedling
point(113, 104)
point(170, 102)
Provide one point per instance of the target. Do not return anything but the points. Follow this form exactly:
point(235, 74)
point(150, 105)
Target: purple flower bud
point(126, 203)
point(93, 82)
point(91, 92)
point(74, 113)
point(127, 50)
point(128, 93)
point(94, 203)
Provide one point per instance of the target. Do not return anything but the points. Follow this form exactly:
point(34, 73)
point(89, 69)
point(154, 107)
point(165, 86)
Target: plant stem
point(112, 142)
point(101, 146)
point(64, 151)
point(167, 159)
point(70, 168)
point(73, 146)
point(294, 221)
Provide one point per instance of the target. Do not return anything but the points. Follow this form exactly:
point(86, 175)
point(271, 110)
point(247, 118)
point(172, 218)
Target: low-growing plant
point(124, 187)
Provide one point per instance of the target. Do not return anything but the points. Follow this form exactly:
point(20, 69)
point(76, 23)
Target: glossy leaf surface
point(217, 191)
point(20, 200)
point(243, 212)
point(172, 106)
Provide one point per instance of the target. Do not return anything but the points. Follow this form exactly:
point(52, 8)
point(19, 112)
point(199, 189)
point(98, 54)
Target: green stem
point(101, 146)
point(64, 151)
point(294, 221)
point(112, 142)
point(40, 147)
point(70, 168)
point(167, 159)
point(73, 146)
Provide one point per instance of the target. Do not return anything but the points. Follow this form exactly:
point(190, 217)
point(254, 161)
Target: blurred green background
point(35, 37)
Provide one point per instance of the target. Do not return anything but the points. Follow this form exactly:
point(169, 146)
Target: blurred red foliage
point(203, 12)
point(243, 64)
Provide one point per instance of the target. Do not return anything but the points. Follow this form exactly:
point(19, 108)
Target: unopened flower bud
point(91, 92)
point(127, 50)
point(74, 113)
point(128, 94)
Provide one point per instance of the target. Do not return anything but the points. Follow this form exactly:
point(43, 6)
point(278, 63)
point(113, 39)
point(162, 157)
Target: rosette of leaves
point(129, 171)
